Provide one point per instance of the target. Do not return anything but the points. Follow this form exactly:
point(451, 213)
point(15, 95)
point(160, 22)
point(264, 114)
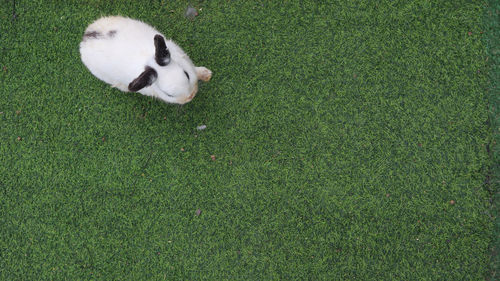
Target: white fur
point(119, 57)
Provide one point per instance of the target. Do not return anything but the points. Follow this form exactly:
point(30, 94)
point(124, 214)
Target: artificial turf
point(345, 140)
point(492, 42)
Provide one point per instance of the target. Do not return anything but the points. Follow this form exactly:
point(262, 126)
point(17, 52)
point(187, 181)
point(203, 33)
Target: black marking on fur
point(91, 35)
point(147, 77)
point(112, 33)
point(162, 54)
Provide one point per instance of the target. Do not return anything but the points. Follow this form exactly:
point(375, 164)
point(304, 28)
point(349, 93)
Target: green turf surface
point(350, 140)
point(492, 41)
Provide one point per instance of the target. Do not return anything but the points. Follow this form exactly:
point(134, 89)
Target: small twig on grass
point(14, 15)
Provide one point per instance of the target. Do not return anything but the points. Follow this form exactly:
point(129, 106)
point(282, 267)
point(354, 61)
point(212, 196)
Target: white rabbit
point(134, 57)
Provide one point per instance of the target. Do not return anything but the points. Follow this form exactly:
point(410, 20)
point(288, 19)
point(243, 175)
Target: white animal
point(134, 57)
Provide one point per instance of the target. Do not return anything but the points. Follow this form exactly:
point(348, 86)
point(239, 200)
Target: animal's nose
point(195, 90)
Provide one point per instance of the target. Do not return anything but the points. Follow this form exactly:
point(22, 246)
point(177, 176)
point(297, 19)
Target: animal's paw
point(203, 73)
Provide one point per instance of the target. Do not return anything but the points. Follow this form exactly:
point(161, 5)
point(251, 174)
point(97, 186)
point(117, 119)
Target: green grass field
point(350, 140)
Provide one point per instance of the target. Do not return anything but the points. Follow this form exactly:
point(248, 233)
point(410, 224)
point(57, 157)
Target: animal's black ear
point(147, 77)
point(162, 54)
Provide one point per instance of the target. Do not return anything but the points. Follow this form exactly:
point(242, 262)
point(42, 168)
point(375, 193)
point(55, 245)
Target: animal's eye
point(187, 75)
